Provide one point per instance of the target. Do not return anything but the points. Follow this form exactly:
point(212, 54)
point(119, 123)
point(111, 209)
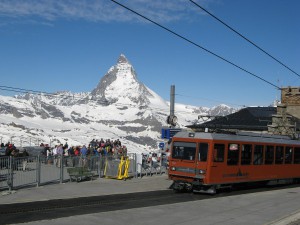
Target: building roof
point(251, 118)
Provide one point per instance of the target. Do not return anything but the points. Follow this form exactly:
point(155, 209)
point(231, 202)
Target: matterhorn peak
point(120, 84)
point(122, 59)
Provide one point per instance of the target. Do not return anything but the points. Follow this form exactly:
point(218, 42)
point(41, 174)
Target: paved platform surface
point(274, 207)
point(86, 188)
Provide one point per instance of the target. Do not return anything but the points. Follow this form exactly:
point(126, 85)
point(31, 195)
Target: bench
point(79, 173)
point(3, 177)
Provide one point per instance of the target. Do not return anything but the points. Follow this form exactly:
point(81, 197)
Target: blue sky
point(50, 45)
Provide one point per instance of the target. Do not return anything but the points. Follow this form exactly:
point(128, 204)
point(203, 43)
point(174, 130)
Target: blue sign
point(161, 145)
point(168, 133)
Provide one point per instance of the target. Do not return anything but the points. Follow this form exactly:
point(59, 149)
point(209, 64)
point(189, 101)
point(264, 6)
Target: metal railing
point(18, 172)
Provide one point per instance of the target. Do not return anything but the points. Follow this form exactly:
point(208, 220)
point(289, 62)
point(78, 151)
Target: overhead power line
point(64, 96)
point(197, 45)
point(242, 36)
point(22, 90)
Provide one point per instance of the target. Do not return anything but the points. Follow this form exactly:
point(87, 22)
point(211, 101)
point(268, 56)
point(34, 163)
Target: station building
point(283, 119)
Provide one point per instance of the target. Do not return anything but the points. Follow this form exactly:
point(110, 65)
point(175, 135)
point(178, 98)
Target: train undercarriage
point(195, 186)
point(198, 187)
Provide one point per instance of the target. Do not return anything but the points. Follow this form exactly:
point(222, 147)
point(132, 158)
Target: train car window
point(269, 157)
point(258, 155)
point(279, 155)
point(203, 149)
point(219, 150)
point(184, 150)
point(297, 155)
point(233, 154)
point(246, 156)
point(288, 155)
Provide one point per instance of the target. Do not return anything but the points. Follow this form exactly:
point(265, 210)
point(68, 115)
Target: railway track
point(41, 210)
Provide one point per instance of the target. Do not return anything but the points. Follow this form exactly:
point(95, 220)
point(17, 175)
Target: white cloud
point(97, 10)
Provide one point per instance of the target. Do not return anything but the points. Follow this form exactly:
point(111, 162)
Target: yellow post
point(120, 176)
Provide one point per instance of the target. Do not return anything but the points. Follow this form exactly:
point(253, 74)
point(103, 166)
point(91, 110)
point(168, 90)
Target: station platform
point(274, 207)
point(96, 187)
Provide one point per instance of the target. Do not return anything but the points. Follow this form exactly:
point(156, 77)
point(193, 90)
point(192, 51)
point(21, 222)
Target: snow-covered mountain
point(119, 107)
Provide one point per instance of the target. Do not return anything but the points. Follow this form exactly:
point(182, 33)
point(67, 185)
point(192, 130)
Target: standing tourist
point(60, 153)
point(83, 154)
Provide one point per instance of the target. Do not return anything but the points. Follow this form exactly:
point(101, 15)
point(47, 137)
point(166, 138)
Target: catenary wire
point(245, 38)
point(197, 45)
point(21, 90)
point(56, 95)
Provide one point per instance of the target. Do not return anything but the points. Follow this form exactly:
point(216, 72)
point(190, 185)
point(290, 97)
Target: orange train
point(206, 162)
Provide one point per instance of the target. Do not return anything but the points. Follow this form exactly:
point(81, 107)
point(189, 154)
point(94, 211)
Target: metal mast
point(172, 119)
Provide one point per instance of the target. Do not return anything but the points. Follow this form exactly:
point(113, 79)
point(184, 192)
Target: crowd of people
point(11, 150)
point(99, 147)
point(95, 147)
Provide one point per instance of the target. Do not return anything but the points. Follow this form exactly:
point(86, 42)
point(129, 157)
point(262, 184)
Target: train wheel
point(212, 190)
point(180, 187)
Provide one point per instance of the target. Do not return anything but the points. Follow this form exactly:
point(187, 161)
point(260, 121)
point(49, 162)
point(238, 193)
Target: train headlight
point(202, 171)
point(173, 168)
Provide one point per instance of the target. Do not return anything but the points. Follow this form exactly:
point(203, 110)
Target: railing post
point(135, 166)
point(11, 172)
point(141, 168)
point(160, 164)
point(38, 171)
point(99, 165)
point(61, 169)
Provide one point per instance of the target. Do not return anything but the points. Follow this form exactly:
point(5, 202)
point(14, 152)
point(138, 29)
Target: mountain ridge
point(120, 106)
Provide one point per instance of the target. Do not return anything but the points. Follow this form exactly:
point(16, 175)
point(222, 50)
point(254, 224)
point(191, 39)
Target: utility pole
point(170, 131)
point(172, 119)
point(172, 100)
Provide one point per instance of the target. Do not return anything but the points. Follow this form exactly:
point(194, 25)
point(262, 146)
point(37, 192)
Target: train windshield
point(184, 150)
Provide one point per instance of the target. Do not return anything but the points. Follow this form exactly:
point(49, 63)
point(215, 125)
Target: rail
point(19, 172)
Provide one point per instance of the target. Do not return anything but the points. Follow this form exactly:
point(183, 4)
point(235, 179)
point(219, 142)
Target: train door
point(217, 163)
point(201, 163)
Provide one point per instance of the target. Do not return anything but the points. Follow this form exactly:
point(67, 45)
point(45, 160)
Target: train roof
point(250, 118)
point(240, 136)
